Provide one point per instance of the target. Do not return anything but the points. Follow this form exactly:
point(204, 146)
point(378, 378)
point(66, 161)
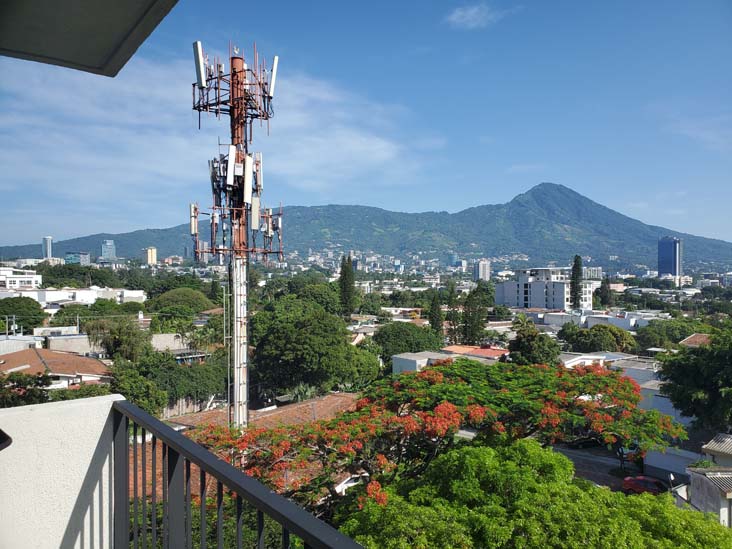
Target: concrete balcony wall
point(56, 476)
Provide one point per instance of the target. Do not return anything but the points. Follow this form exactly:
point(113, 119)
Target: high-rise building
point(670, 251)
point(47, 247)
point(453, 259)
point(544, 288)
point(592, 273)
point(481, 270)
point(78, 258)
point(109, 250)
point(151, 255)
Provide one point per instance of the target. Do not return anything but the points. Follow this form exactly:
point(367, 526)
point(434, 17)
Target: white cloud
point(712, 132)
point(127, 153)
point(475, 16)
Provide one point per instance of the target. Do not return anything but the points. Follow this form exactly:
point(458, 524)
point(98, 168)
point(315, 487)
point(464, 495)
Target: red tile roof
point(325, 407)
point(696, 340)
point(39, 361)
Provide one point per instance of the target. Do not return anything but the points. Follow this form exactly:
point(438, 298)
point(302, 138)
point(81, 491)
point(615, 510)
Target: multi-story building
point(109, 251)
point(151, 255)
point(47, 247)
point(481, 270)
point(78, 258)
point(19, 279)
point(592, 273)
point(670, 251)
point(544, 288)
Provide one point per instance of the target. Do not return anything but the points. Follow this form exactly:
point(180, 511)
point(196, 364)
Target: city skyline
point(635, 118)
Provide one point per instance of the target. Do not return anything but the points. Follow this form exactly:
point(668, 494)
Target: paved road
point(593, 467)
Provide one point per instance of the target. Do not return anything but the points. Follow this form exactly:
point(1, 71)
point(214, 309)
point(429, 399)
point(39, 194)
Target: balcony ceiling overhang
point(97, 36)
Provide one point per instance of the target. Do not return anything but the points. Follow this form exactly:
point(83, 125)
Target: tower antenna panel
point(200, 64)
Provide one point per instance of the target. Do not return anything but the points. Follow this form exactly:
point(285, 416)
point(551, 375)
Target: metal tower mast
point(240, 227)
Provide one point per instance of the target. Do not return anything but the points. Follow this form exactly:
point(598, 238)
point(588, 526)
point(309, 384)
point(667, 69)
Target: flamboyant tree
point(403, 423)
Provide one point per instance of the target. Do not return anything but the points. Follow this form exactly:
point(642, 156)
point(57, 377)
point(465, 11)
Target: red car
point(641, 484)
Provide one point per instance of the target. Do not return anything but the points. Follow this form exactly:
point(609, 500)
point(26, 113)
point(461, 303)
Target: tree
point(575, 284)
point(28, 312)
point(85, 390)
point(119, 337)
point(473, 320)
point(371, 304)
point(605, 294)
point(517, 496)
point(531, 347)
point(667, 333)
point(601, 337)
point(435, 314)
point(347, 285)
point(215, 294)
point(17, 389)
point(186, 297)
point(405, 337)
point(297, 341)
point(453, 314)
point(127, 381)
point(501, 312)
point(698, 380)
point(323, 294)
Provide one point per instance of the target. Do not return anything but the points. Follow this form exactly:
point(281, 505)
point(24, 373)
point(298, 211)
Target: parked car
point(584, 442)
point(642, 484)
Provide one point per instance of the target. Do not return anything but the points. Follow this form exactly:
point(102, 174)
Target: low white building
point(19, 279)
point(415, 362)
point(543, 288)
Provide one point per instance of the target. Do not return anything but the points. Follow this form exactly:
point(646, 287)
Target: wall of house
point(167, 342)
point(57, 474)
point(706, 497)
point(673, 460)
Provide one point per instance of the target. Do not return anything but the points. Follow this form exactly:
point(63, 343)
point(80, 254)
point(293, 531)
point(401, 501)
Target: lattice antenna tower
point(241, 227)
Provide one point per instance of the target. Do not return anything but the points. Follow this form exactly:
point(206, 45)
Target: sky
point(409, 106)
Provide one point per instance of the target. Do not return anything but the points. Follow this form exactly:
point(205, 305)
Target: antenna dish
point(273, 80)
point(200, 65)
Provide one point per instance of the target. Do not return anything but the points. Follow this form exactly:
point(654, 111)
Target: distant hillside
point(549, 222)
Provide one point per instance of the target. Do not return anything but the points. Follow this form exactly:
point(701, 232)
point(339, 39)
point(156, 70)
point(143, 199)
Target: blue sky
point(407, 105)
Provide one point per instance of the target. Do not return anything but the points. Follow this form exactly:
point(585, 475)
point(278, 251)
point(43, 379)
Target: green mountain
point(549, 222)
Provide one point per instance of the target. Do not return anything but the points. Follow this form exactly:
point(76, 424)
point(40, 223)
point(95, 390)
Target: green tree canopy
point(531, 347)
point(143, 392)
point(119, 337)
point(405, 337)
point(518, 496)
point(347, 285)
point(28, 312)
point(18, 389)
point(667, 333)
point(575, 283)
point(296, 341)
point(699, 381)
point(435, 314)
point(192, 299)
point(601, 337)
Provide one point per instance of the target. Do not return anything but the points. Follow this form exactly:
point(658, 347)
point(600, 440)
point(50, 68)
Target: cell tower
point(241, 228)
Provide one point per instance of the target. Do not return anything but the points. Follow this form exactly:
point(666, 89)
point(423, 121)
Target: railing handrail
point(313, 531)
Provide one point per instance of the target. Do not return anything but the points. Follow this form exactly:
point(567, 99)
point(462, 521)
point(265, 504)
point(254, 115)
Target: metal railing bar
point(135, 522)
point(313, 531)
point(260, 530)
point(164, 501)
point(285, 538)
point(144, 490)
point(239, 517)
point(189, 512)
point(203, 508)
point(220, 514)
point(121, 484)
point(154, 510)
point(176, 500)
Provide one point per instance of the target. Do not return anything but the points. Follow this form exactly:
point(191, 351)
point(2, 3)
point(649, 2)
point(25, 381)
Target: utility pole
point(240, 227)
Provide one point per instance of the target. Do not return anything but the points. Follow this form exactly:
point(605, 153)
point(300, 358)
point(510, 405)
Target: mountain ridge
point(547, 222)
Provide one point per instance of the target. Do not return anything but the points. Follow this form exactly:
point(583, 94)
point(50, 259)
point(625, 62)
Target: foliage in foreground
point(517, 496)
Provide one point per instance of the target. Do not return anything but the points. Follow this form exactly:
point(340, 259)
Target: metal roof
point(719, 445)
point(97, 36)
point(722, 480)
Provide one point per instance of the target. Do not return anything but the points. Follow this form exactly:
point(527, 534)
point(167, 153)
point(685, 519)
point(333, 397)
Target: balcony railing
point(167, 501)
point(100, 472)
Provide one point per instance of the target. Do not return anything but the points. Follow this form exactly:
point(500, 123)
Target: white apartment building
point(19, 279)
point(543, 288)
point(481, 270)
